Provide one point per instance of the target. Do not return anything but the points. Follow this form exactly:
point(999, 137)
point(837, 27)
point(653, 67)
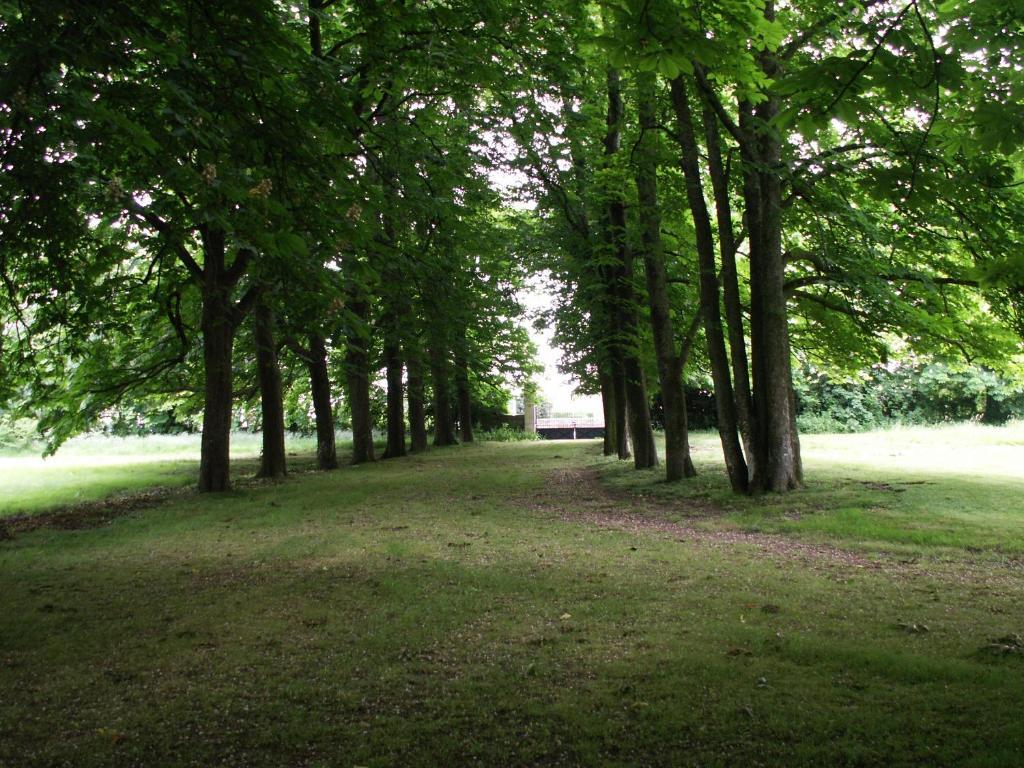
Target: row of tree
point(839, 181)
point(716, 187)
point(191, 190)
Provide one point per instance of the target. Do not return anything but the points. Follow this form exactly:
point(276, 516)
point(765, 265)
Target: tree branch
point(167, 231)
point(238, 267)
point(716, 105)
point(246, 303)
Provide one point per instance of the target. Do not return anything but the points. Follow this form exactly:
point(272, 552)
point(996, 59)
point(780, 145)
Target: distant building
point(573, 418)
point(571, 428)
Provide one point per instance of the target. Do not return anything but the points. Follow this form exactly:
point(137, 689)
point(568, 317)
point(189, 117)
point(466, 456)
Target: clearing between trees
point(534, 604)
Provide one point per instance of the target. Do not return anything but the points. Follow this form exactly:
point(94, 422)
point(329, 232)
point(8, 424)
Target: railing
point(570, 423)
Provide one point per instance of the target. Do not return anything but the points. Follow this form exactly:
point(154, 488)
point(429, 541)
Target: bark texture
point(709, 290)
point(623, 296)
point(776, 445)
point(323, 411)
point(395, 395)
point(220, 318)
point(395, 407)
point(670, 370)
point(357, 376)
point(444, 427)
point(273, 461)
point(218, 342)
point(730, 285)
point(608, 447)
point(417, 403)
point(621, 420)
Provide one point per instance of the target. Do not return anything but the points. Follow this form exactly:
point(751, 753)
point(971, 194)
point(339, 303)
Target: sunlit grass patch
point(93, 467)
point(913, 488)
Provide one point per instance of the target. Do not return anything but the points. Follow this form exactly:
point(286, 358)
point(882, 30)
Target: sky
point(555, 387)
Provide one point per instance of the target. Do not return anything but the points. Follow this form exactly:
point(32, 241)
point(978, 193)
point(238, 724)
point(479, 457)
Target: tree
point(670, 363)
point(177, 139)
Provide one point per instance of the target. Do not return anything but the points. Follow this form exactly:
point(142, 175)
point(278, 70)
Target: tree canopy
point(202, 204)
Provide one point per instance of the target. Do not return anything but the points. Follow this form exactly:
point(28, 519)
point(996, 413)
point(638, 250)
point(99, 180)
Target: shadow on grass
point(363, 614)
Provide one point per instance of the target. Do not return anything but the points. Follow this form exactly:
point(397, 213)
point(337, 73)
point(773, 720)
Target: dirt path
point(580, 496)
point(576, 494)
point(88, 514)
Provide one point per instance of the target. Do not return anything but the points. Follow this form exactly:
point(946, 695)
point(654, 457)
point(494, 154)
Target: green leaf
point(289, 243)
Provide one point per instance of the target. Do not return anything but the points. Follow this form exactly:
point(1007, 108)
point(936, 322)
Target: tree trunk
point(618, 379)
point(794, 435)
point(463, 392)
point(645, 454)
point(752, 215)
point(221, 316)
point(624, 297)
point(357, 364)
point(670, 372)
point(417, 409)
point(770, 346)
point(272, 462)
point(394, 319)
point(608, 409)
point(709, 292)
point(444, 429)
point(778, 464)
point(320, 388)
point(218, 340)
point(730, 285)
point(319, 378)
point(396, 408)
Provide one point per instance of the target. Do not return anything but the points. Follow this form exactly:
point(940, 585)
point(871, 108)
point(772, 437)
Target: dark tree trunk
point(645, 454)
point(670, 371)
point(417, 404)
point(444, 429)
point(396, 408)
point(624, 297)
point(218, 340)
point(709, 292)
point(730, 285)
point(463, 392)
point(315, 37)
point(320, 388)
point(605, 316)
point(272, 462)
point(777, 466)
point(219, 321)
point(618, 379)
point(752, 215)
point(608, 409)
point(394, 320)
point(357, 365)
point(794, 434)
point(316, 360)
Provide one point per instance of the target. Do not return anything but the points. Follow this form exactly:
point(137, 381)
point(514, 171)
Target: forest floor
point(530, 604)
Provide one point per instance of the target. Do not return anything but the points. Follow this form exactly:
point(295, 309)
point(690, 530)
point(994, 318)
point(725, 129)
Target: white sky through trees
point(555, 387)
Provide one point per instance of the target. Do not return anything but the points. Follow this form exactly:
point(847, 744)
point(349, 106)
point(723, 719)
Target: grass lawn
point(94, 467)
point(533, 604)
point(959, 487)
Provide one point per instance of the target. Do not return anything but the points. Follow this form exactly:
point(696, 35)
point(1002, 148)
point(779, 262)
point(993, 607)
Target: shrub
point(506, 435)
